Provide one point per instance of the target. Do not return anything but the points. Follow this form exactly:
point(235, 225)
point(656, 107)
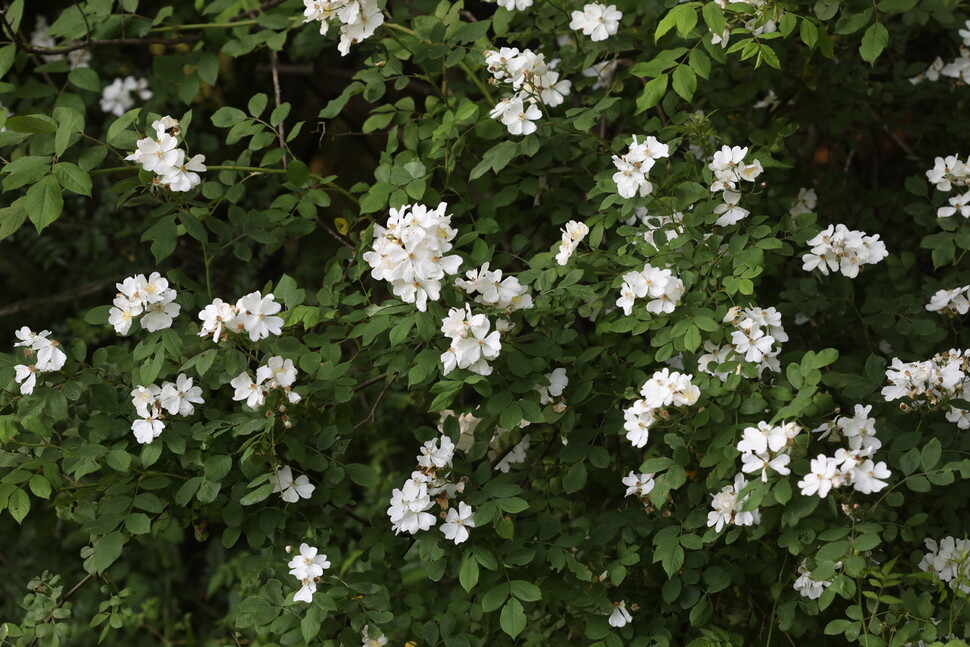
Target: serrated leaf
point(71, 177)
point(44, 202)
point(874, 41)
point(512, 618)
point(652, 93)
point(468, 573)
point(685, 82)
point(106, 551)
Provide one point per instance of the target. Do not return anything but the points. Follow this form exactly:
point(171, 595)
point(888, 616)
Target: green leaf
point(69, 123)
point(297, 173)
point(279, 113)
point(525, 591)
point(257, 104)
point(652, 93)
point(808, 32)
point(138, 523)
point(874, 41)
point(32, 124)
point(12, 217)
point(896, 6)
point(513, 618)
point(106, 551)
point(930, 454)
point(575, 478)
point(44, 202)
point(122, 124)
point(714, 17)
point(361, 474)
point(85, 78)
point(72, 178)
point(18, 505)
point(259, 494)
point(495, 597)
point(468, 573)
point(40, 486)
point(685, 82)
point(495, 158)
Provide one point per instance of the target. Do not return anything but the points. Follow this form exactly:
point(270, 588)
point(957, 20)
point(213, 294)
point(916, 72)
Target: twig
point(64, 599)
point(87, 25)
point(67, 295)
point(377, 402)
point(336, 235)
point(373, 380)
point(255, 12)
point(276, 96)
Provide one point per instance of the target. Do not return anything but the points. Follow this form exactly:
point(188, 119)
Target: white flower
point(117, 99)
point(381, 639)
point(806, 202)
point(806, 586)
point(26, 377)
point(408, 508)
point(246, 389)
point(147, 429)
point(215, 316)
point(184, 174)
point(727, 507)
point(635, 164)
point(573, 233)
point(179, 398)
point(279, 370)
point(597, 21)
point(639, 484)
point(823, 477)
point(292, 490)
point(515, 455)
point(458, 522)
point(839, 249)
point(433, 456)
point(620, 615)
point(308, 564)
point(256, 314)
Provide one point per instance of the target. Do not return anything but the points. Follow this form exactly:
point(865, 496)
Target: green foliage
point(187, 539)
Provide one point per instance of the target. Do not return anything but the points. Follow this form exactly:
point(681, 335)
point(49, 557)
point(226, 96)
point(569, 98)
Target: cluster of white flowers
point(948, 173)
point(806, 586)
point(291, 489)
point(598, 21)
point(658, 227)
point(276, 374)
point(760, 21)
point(472, 345)
point(729, 169)
point(806, 202)
point(660, 285)
point(840, 249)
point(726, 507)
point(949, 560)
point(410, 253)
point(408, 510)
point(153, 402)
point(952, 302)
point(958, 68)
point(639, 484)
point(848, 467)
point(620, 615)
point(664, 389)
point(505, 294)
point(139, 296)
point(757, 331)
point(633, 166)
point(359, 18)
point(853, 466)
point(254, 314)
point(766, 446)
point(41, 37)
point(307, 567)
point(532, 79)
point(119, 97)
point(43, 355)
point(162, 156)
point(932, 382)
point(552, 394)
point(573, 234)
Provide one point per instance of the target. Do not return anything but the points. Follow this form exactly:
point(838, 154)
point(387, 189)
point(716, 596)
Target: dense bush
point(481, 324)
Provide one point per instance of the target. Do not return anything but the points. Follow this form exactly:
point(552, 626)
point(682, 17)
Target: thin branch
point(67, 295)
point(373, 410)
point(87, 25)
point(258, 10)
point(86, 44)
point(336, 235)
point(373, 380)
point(277, 97)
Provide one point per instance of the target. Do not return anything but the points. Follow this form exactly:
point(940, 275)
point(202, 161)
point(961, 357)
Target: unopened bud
point(289, 549)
